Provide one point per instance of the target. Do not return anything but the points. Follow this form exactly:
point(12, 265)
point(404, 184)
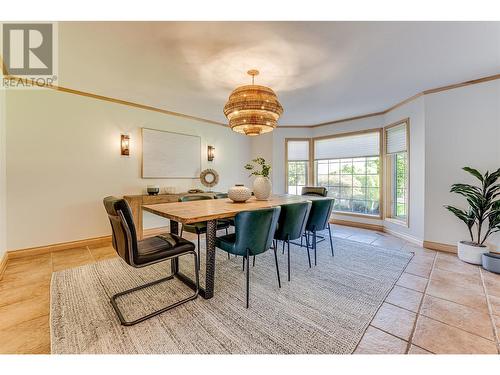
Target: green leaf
point(474, 172)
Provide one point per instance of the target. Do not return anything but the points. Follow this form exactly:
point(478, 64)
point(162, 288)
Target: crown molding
point(213, 122)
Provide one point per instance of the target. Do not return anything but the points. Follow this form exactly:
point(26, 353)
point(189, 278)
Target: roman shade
point(298, 150)
point(348, 146)
point(395, 139)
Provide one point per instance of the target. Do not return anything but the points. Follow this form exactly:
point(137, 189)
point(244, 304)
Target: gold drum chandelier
point(253, 109)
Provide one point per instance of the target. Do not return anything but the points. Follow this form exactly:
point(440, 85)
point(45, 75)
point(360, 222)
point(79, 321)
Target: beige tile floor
point(439, 304)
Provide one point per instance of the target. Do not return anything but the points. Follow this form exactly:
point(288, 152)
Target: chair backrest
point(319, 216)
point(314, 190)
point(220, 195)
point(189, 198)
point(255, 230)
point(122, 225)
point(292, 220)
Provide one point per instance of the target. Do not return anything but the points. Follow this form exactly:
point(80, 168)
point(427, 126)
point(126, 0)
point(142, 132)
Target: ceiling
point(321, 71)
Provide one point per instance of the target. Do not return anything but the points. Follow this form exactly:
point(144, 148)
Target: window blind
point(395, 139)
point(349, 146)
point(298, 150)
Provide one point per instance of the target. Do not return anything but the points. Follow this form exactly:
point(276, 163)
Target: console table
point(137, 201)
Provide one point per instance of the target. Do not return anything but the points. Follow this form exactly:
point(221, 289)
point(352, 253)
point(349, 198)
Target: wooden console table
point(137, 201)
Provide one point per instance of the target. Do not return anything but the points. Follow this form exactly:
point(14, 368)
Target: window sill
point(403, 223)
point(354, 214)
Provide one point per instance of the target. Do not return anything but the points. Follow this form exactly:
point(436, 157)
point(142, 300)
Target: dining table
point(209, 211)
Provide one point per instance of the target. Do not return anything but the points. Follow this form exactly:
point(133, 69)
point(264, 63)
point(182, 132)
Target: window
point(297, 151)
point(396, 150)
point(348, 166)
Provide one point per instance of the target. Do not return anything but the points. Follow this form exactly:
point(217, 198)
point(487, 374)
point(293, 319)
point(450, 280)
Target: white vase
point(470, 253)
point(262, 188)
point(239, 193)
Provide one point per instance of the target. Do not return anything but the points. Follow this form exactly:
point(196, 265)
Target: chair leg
point(243, 263)
point(248, 278)
point(288, 242)
point(315, 246)
point(307, 247)
point(331, 243)
point(228, 256)
point(227, 233)
point(253, 265)
point(154, 313)
point(277, 267)
point(199, 252)
point(283, 247)
point(182, 230)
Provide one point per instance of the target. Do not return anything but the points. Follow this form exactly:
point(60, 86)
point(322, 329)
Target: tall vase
point(262, 188)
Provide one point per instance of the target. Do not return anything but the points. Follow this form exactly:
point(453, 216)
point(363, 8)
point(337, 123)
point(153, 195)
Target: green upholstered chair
point(220, 195)
point(291, 226)
point(319, 191)
point(199, 228)
point(254, 231)
point(319, 219)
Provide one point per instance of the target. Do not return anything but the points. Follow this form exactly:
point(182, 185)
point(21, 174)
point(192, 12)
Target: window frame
point(388, 177)
point(381, 172)
point(309, 164)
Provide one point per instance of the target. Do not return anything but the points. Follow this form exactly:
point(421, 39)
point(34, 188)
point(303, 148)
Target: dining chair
point(319, 191)
point(291, 226)
point(254, 231)
point(200, 228)
point(144, 252)
point(319, 219)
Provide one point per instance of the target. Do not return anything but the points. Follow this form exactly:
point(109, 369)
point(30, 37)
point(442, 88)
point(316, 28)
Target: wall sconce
point(211, 153)
point(125, 145)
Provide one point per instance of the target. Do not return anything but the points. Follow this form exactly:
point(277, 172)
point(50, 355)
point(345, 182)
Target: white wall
point(63, 157)
point(3, 180)
point(462, 129)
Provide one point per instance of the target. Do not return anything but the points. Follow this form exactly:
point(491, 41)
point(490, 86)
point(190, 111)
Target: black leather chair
point(319, 219)
point(200, 228)
point(144, 253)
point(291, 226)
point(314, 190)
point(254, 231)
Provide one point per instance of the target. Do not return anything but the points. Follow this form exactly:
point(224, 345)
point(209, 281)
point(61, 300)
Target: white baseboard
point(405, 236)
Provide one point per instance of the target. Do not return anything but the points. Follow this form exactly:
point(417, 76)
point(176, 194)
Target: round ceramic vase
point(239, 193)
point(262, 188)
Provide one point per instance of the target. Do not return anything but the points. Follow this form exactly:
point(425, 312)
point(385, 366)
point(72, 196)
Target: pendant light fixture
point(253, 109)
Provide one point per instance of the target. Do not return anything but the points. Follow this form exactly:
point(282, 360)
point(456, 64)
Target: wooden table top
point(210, 209)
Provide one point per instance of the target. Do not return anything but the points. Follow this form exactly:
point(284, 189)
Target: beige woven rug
point(325, 309)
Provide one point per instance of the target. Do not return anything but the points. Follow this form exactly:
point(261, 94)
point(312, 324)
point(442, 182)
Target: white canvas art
point(170, 155)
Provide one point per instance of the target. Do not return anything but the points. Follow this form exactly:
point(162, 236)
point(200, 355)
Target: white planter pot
point(262, 188)
point(470, 253)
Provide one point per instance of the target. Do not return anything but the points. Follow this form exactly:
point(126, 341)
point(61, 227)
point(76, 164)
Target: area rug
point(323, 309)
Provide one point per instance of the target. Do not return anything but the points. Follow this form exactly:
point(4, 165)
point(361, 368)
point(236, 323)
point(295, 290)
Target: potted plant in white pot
point(483, 213)
point(262, 184)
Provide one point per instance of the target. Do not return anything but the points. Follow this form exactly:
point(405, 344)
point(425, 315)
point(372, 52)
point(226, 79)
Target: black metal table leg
point(210, 263)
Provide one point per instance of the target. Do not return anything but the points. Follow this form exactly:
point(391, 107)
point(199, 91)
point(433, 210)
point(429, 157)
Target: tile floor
point(439, 304)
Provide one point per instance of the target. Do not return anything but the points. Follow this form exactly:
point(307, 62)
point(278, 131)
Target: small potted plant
point(262, 184)
point(483, 213)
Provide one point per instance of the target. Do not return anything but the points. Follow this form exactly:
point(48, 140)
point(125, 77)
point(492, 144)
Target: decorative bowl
point(153, 189)
point(239, 193)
